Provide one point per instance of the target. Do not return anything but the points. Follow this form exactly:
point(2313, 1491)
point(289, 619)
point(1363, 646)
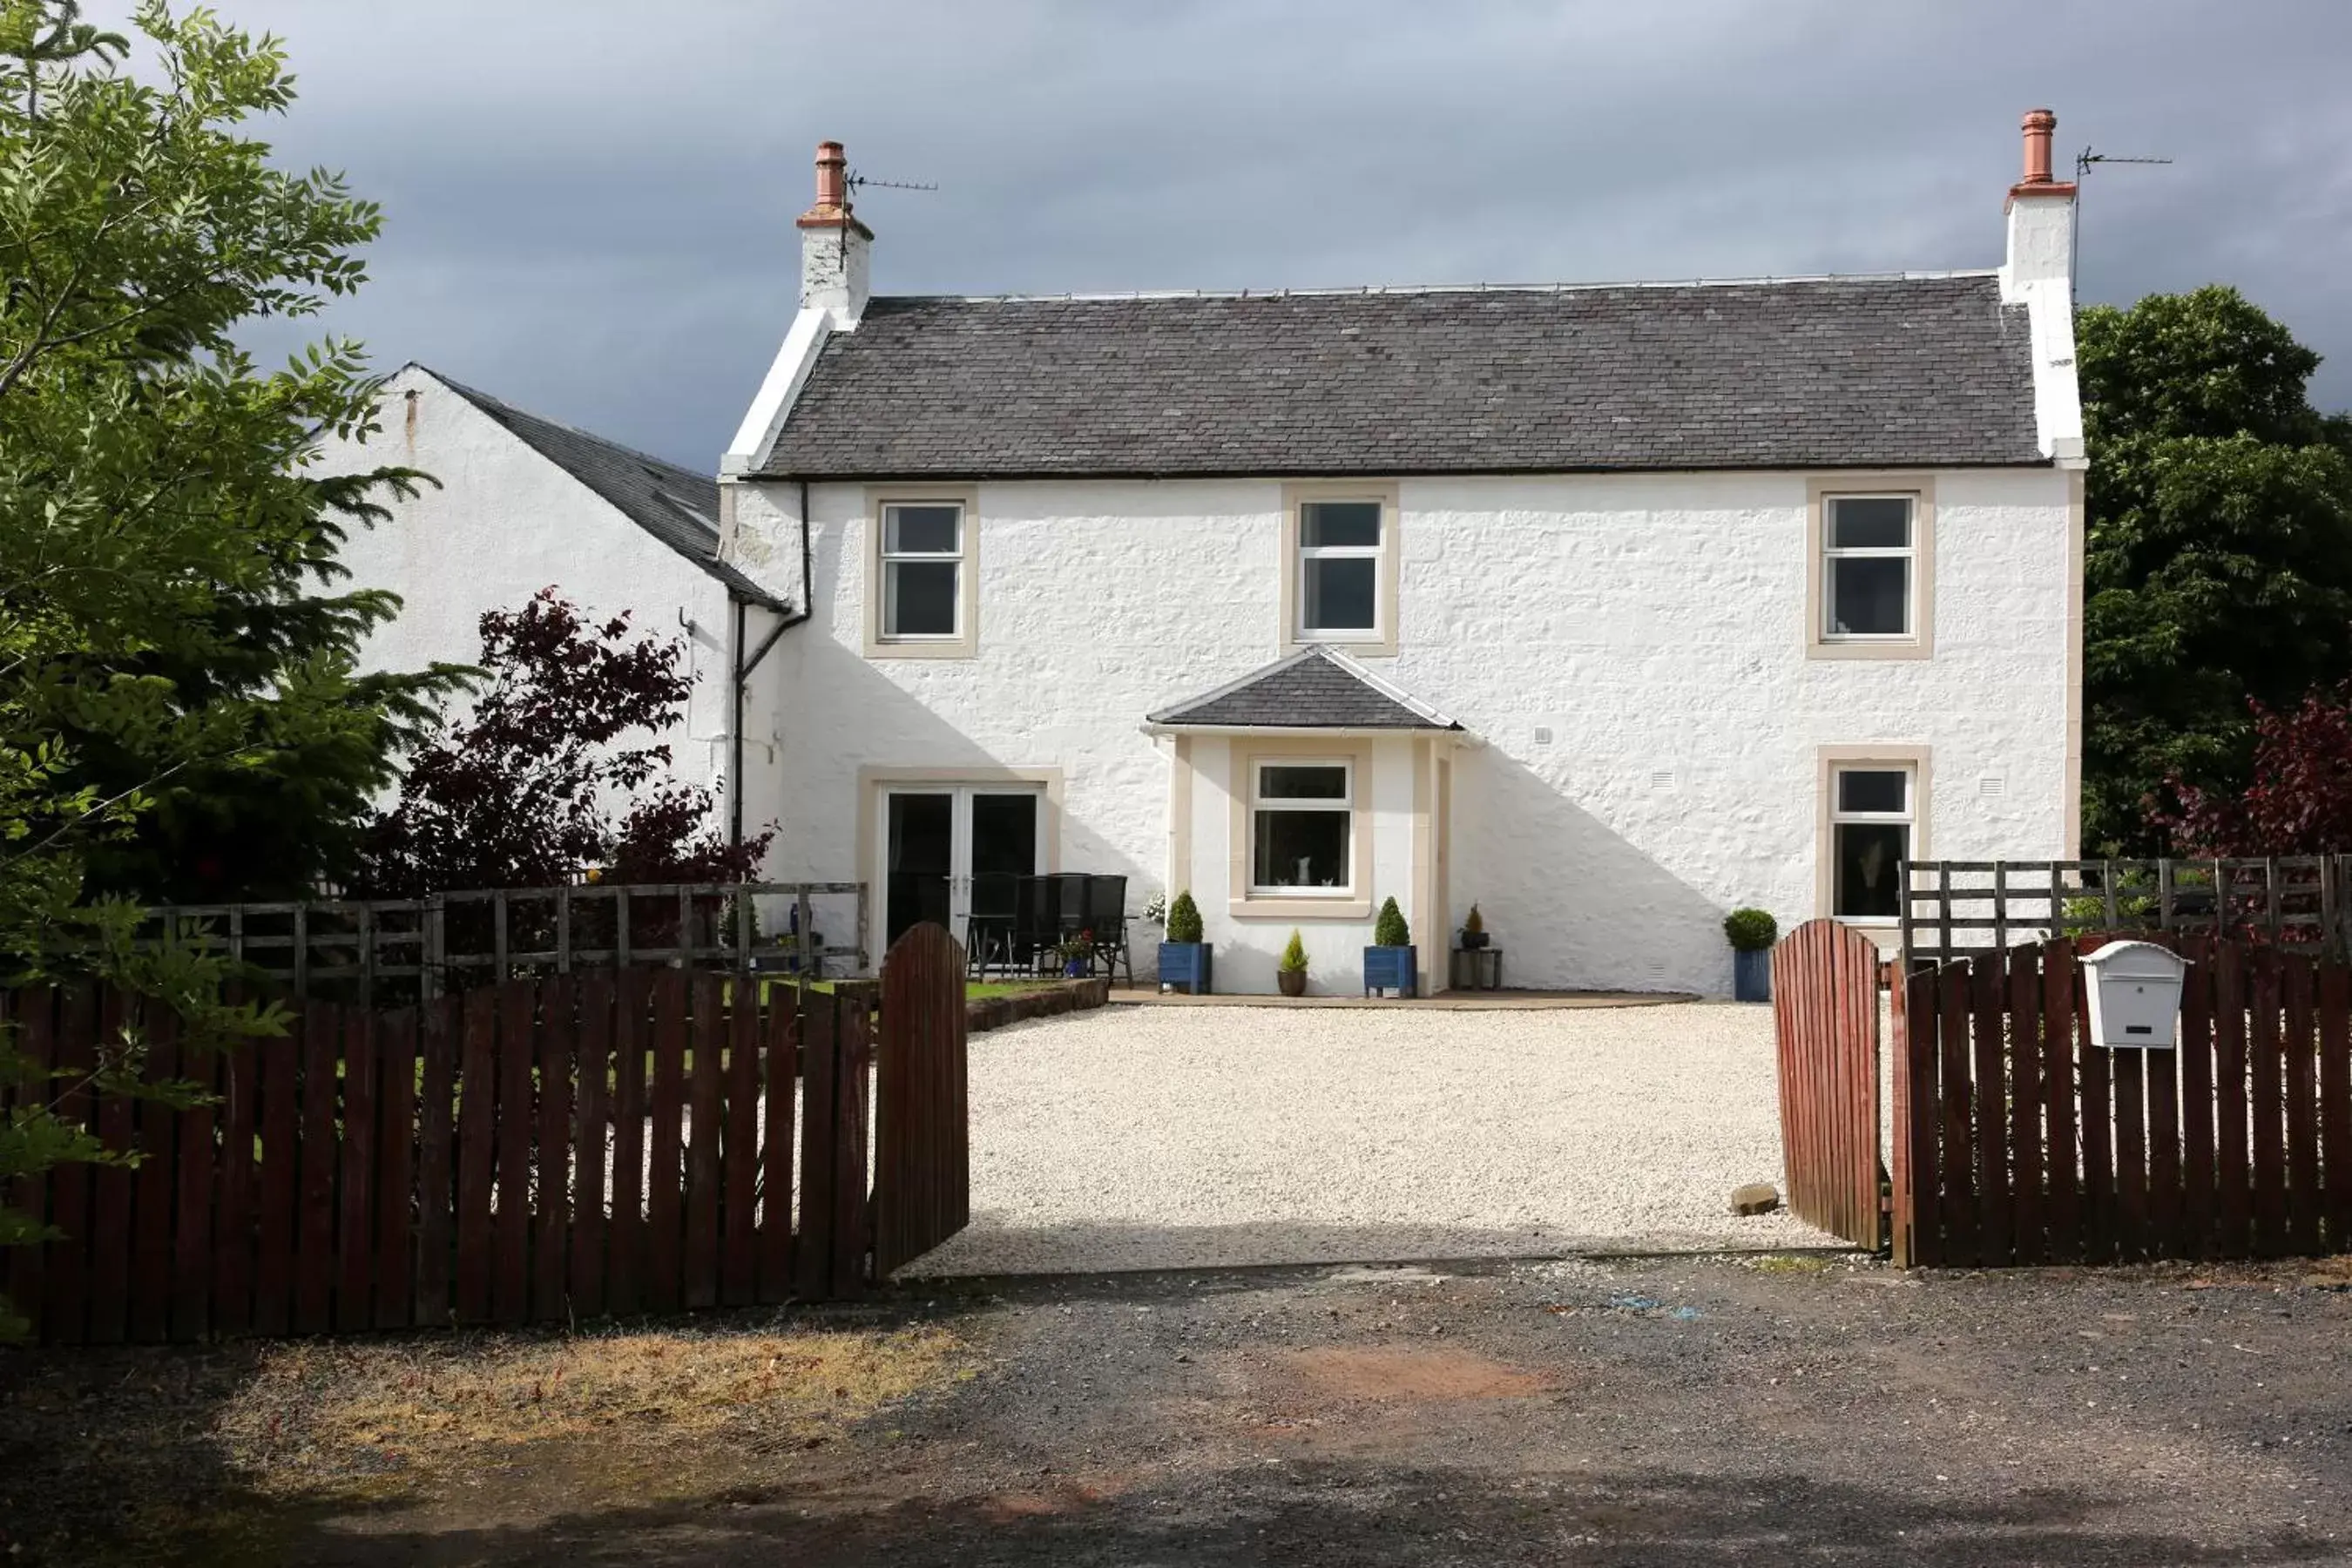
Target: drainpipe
point(786, 620)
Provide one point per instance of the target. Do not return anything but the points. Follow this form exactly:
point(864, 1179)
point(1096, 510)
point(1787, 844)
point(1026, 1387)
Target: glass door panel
point(920, 860)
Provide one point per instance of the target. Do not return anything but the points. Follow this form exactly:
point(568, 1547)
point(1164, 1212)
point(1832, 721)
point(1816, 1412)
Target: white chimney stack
point(2041, 217)
point(2039, 274)
point(834, 246)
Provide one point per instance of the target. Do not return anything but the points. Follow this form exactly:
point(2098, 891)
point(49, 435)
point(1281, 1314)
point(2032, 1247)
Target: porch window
point(1302, 816)
point(1868, 561)
point(1872, 814)
point(922, 571)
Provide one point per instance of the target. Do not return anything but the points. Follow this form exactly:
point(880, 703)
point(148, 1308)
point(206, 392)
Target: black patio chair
point(991, 928)
point(1107, 918)
point(1062, 913)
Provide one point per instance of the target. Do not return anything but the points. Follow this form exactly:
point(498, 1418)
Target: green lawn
point(973, 990)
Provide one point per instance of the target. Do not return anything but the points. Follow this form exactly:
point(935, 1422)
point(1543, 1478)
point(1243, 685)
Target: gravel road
point(1144, 1137)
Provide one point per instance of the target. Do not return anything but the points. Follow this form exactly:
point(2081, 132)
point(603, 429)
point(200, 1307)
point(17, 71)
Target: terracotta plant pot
point(1292, 981)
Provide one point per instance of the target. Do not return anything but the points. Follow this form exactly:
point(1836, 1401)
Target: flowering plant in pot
point(1184, 959)
point(1290, 972)
point(1390, 964)
point(1076, 953)
point(1751, 933)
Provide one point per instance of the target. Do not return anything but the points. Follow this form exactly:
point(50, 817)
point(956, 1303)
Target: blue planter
point(1185, 966)
point(1751, 975)
point(1389, 969)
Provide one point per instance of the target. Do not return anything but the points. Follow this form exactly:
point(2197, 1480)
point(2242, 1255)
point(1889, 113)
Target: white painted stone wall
point(1655, 624)
point(503, 523)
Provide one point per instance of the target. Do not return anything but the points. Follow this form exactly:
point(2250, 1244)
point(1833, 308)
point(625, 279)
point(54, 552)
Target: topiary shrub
point(1294, 954)
point(1475, 923)
point(1185, 919)
point(1750, 931)
point(1389, 930)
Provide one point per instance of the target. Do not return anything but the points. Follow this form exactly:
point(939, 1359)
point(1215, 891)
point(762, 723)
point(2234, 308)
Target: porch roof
point(1317, 687)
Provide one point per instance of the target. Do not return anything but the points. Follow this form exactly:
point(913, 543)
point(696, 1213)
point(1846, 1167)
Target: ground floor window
point(1302, 822)
point(1872, 814)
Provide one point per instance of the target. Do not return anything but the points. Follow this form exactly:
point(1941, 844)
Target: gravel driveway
point(1150, 1137)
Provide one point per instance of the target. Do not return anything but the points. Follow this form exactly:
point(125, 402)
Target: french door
point(937, 837)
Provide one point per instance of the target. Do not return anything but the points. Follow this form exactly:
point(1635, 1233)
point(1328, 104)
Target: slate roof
point(1826, 373)
point(1314, 689)
point(677, 506)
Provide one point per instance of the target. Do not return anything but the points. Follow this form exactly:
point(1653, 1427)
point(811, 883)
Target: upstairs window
point(1340, 570)
point(923, 603)
point(922, 559)
point(1869, 561)
point(1302, 827)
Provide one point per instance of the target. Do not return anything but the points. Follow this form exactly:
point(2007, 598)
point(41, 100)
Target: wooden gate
point(922, 1166)
point(1825, 1015)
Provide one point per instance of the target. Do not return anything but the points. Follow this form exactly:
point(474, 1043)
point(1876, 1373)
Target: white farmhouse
point(1608, 608)
point(518, 503)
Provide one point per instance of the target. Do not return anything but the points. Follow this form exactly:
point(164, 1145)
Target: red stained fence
point(1825, 1017)
point(541, 1151)
point(2019, 1143)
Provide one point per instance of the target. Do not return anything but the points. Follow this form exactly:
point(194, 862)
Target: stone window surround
point(965, 644)
point(1383, 641)
point(1820, 490)
point(1916, 760)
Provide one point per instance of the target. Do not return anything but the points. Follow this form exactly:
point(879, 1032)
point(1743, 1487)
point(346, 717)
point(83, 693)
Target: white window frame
point(1380, 638)
point(1918, 637)
point(1343, 803)
point(1907, 553)
point(1840, 817)
point(881, 560)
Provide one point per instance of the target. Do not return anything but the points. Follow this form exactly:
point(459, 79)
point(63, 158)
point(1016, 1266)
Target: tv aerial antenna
point(856, 182)
point(2089, 159)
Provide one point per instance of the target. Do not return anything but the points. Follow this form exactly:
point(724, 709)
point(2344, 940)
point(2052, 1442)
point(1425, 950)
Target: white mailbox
point(2135, 994)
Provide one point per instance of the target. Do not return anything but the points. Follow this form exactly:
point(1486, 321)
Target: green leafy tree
point(2219, 560)
point(176, 679)
point(162, 531)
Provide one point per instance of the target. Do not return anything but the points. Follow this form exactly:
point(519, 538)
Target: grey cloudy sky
point(589, 203)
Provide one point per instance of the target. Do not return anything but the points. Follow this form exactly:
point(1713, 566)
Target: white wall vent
point(1993, 786)
point(1543, 734)
point(1662, 779)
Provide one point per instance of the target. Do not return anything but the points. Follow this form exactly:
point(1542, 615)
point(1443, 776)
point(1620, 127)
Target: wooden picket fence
point(2017, 1142)
point(544, 1150)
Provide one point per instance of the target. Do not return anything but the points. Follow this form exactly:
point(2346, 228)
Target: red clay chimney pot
point(831, 208)
point(2038, 123)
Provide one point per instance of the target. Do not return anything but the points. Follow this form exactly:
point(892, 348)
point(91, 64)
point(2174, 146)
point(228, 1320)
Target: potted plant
point(1185, 959)
point(1291, 974)
point(1389, 963)
point(1752, 933)
point(1474, 930)
point(1077, 953)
